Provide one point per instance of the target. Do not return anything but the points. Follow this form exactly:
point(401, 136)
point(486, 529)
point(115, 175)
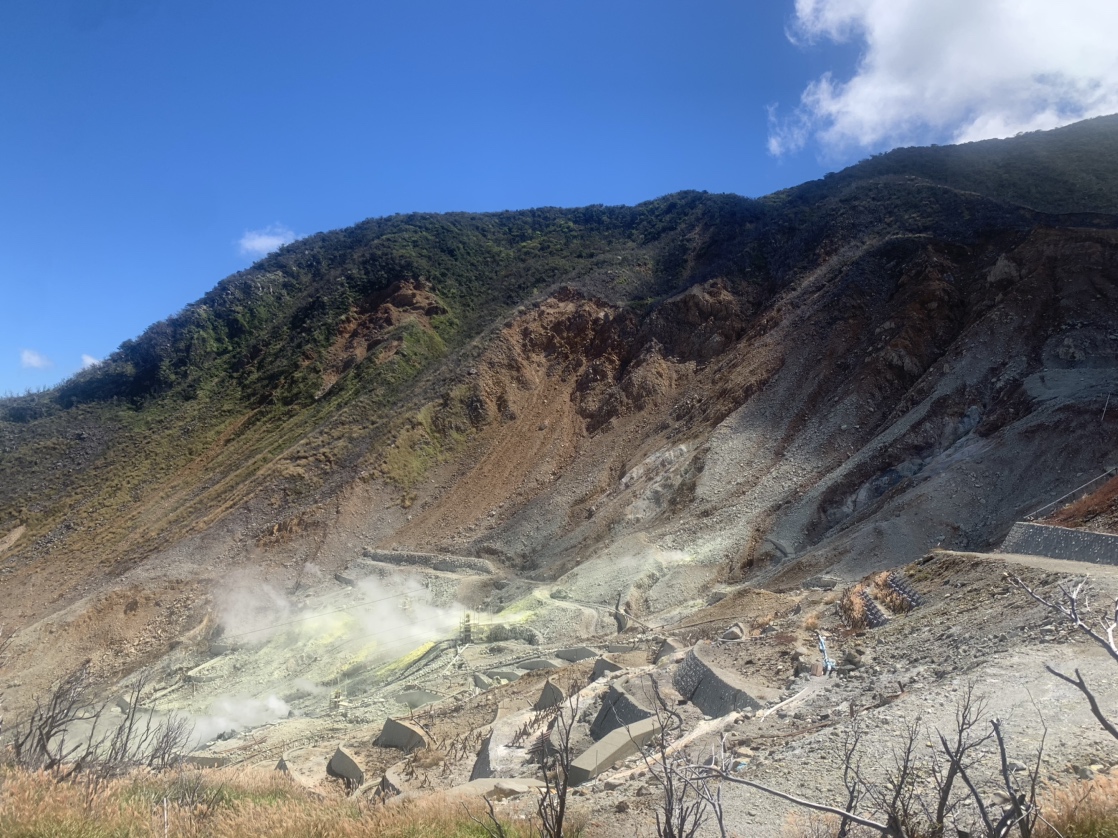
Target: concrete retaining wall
point(713, 690)
point(1061, 543)
point(435, 561)
point(603, 755)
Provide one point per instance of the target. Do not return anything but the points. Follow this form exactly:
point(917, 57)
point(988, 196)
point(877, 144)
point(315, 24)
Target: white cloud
point(31, 360)
point(89, 361)
point(261, 242)
point(952, 70)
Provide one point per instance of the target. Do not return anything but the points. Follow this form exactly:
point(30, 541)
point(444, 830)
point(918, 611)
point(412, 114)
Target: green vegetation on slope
point(306, 367)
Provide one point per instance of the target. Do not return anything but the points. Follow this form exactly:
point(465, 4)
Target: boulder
point(734, 632)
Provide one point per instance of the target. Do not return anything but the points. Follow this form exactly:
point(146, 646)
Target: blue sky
point(149, 148)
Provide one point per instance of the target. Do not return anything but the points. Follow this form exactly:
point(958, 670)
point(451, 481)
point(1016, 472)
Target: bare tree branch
point(1073, 613)
point(1080, 684)
point(799, 801)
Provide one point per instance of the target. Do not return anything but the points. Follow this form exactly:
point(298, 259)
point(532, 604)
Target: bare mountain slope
point(836, 377)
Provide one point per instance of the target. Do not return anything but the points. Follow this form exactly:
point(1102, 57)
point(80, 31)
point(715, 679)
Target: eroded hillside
point(700, 388)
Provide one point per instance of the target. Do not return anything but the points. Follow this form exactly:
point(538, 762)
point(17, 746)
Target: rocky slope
point(702, 388)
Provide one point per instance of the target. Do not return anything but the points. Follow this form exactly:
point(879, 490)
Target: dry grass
point(208, 804)
point(812, 621)
point(1087, 809)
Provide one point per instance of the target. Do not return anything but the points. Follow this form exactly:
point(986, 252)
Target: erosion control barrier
point(618, 709)
point(345, 767)
point(401, 734)
point(603, 755)
point(435, 561)
point(713, 690)
point(1061, 543)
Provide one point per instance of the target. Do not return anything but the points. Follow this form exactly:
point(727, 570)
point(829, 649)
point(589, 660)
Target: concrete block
point(604, 754)
point(401, 734)
point(575, 654)
point(602, 667)
point(392, 783)
point(550, 696)
point(345, 767)
point(619, 709)
point(482, 682)
point(415, 699)
point(540, 663)
point(668, 648)
point(713, 690)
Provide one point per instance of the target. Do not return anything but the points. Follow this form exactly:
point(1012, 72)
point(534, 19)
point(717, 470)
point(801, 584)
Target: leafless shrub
point(40, 743)
point(492, 826)
point(901, 805)
point(683, 809)
point(45, 741)
point(556, 768)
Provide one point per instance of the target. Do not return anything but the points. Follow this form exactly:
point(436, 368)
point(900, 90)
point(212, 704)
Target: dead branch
point(711, 771)
point(1073, 612)
point(1080, 684)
